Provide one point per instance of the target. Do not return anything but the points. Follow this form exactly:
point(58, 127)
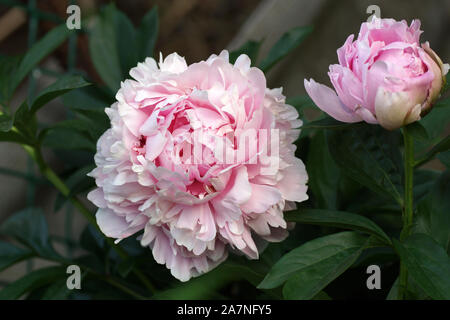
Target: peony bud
point(383, 77)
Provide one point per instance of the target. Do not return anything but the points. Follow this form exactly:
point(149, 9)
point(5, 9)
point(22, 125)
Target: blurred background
point(194, 29)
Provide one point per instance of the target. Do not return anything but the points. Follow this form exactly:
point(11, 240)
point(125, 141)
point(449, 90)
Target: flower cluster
point(156, 174)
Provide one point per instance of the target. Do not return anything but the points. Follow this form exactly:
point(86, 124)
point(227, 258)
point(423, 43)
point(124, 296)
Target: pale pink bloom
point(383, 77)
point(191, 211)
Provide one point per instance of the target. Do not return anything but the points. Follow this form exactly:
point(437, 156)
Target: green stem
point(409, 169)
point(408, 204)
point(35, 153)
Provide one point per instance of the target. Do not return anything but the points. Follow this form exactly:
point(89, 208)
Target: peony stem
point(36, 155)
point(408, 204)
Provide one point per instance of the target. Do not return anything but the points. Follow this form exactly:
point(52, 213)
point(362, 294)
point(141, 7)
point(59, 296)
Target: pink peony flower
point(385, 76)
point(172, 164)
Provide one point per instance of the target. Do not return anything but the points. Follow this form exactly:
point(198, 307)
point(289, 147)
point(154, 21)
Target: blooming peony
point(385, 76)
point(201, 159)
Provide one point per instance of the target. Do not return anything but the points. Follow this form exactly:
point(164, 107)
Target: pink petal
point(263, 197)
point(113, 225)
point(327, 100)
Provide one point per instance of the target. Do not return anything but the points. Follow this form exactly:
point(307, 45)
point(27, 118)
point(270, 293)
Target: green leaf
point(8, 67)
point(322, 295)
point(324, 174)
point(444, 157)
point(126, 40)
point(312, 262)
point(369, 155)
point(308, 282)
point(29, 177)
point(58, 88)
point(147, 34)
point(87, 98)
point(433, 216)
point(93, 241)
point(435, 123)
point(446, 85)
point(338, 219)
point(6, 122)
point(77, 182)
point(424, 180)
point(57, 291)
point(29, 228)
point(443, 103)
point(89, 105)
point(67, 139)
point(427, 263)
point(393, 292)
point(31, 281)
point(38, 51)
point(25, 122)
point(72, 124)
point(417, 131)
point(84, 126)
point(103, 49)
point(203, 287)
point(95, 121)
point(442, 146)
point(126, 46)
point(379, 255)
point(250, 48)
point(413, 291)
point(327, 123)
point(13, 137)
point(288, 41)
point(10, 254)
point(125, 266)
